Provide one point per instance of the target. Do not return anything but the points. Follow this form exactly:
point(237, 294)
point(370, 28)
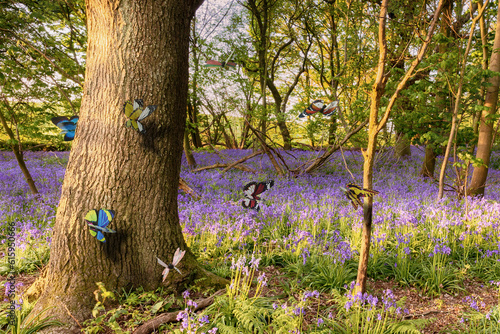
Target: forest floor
point(438, 260)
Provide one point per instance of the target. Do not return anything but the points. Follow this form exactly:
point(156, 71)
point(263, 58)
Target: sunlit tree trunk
point(480, 174)
point(137, 49)
point(374, 127)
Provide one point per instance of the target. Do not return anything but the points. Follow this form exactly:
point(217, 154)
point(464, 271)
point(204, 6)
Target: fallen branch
point(321, 160)
point(242, 160)
point(187, 189)
point(266, 149)
point(243, 168)
point(151, 325)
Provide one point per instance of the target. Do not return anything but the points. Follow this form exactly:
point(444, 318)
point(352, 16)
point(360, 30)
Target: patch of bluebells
point(307, 215)
point(191, 323)
point(387, 301)
point(473, 303)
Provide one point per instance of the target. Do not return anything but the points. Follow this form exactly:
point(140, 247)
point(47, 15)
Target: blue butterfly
point(68, 126)
point(98, 222)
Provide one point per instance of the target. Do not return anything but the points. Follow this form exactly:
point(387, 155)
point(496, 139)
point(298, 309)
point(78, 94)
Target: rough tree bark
point(480, 174)
point(136, 49)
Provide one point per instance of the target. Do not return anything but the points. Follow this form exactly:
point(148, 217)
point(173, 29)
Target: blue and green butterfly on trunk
point(98, 220)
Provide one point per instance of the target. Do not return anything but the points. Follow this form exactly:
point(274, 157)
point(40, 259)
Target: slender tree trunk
point(375, 126)
point(484, 65)
point(194, 100)
point(480, 174)
point(19, 155)
point(376, 94)
point(232, 139)
point(454, 122)
point(187, 151)
point(246, 128)
point(429, 163)
point(136, 49)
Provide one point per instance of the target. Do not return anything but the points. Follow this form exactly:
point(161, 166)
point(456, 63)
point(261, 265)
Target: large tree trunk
point(480, 174)
point(137, 49)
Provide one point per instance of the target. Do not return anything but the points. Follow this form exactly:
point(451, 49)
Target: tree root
point(150, 325)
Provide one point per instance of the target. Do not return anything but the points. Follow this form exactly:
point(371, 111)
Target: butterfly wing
point(330, 109)
point(100, 236)
point(317, 105)
point(249, 189)
point(355, 201)
point(66, 126)
point(91, 219)
point(360, 192)
point(59, 119)
point(146, 112)
point(213, 63)
point(133, 124)
point(261, 187)
point(178, 256)
point(231, 64)
point(133, 110)
point(74, 119)
point(165, 271)
point(69, 136)
point(307, 112)
point(128, 108)
point(105, 217)
point(160, 262)
point(248, 203)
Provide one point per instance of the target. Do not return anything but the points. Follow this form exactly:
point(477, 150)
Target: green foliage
point(22, 325)
point(43, 51)
point(28, 260)
point(135, 307)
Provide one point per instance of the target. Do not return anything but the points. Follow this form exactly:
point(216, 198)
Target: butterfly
point(354, 193)
point(178, 255)
point(136, 113)
point(224, 64)
point(67, 125)
point(319, 106)
point(98, 220)
point(252, 191)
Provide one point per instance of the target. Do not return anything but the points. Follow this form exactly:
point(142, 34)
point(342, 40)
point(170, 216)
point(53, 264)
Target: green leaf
point(157, 306)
